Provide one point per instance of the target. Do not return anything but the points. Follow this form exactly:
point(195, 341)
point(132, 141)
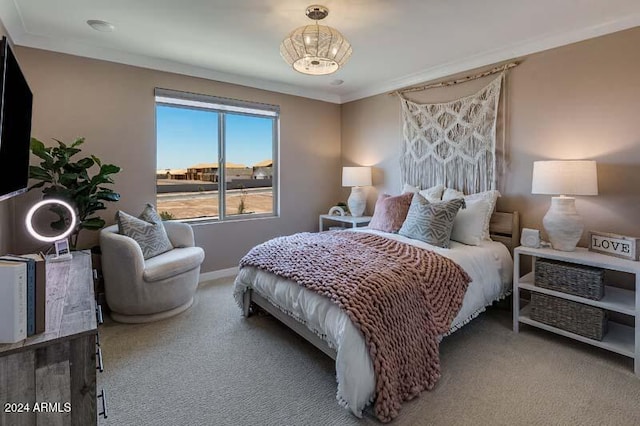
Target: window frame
point(223, 106)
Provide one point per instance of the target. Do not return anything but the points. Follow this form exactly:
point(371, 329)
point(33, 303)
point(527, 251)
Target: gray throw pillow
point(148, 231)
point(431, 222)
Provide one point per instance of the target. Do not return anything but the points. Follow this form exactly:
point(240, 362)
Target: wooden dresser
point(50, 378)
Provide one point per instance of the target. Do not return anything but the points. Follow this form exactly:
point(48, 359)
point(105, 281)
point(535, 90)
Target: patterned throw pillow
point(431, 222)
point(390, 212)
point(148, 231)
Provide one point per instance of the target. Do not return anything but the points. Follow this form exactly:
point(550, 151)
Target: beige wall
point(580, 101)
point(6, 208)
point(112, 105)
point(577, 101)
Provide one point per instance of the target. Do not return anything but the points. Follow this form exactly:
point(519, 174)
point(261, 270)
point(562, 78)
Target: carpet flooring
point(210, 366)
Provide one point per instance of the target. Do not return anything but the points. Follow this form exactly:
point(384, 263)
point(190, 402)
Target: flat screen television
point(15, 125)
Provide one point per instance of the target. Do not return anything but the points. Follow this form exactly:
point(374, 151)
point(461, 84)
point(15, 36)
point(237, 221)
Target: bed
point(322, 323)
point(377, 302)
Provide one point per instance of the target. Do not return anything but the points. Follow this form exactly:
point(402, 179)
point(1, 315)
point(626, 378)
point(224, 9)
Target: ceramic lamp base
point(357, 201)
point(563, 224)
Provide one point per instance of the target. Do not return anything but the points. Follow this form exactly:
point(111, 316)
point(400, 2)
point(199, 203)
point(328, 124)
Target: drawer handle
point(99, 317)
point(100, 366)
point(97, 339)
point(103, 396)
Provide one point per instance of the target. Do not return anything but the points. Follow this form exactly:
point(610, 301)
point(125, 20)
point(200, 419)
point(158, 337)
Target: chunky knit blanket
point(401, 297)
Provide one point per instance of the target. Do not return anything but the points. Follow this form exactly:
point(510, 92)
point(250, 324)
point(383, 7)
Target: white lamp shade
point(356, 176)
point(570, 177)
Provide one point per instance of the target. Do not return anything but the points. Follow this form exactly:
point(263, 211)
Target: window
point(216, 157)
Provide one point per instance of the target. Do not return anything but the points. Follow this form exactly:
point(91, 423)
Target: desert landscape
point(192, 205)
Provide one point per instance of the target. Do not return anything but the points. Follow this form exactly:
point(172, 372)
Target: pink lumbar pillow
point(390, 212)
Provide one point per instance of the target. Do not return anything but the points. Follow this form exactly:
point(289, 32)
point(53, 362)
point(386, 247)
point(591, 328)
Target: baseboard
point(220, 273)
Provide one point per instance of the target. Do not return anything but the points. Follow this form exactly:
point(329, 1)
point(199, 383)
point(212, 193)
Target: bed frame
point(504, 228)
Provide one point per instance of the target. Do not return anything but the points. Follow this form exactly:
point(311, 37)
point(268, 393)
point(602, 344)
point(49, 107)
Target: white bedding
point(489, 265)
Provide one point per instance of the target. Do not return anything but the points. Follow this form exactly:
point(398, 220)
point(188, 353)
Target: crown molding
point(494, 56)
point(10, 19)
point(112, 55)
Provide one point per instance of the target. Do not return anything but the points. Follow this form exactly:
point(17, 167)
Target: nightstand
point(354, 222)
point(620, 338)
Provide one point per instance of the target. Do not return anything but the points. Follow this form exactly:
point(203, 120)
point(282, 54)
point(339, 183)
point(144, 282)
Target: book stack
point(23, 297)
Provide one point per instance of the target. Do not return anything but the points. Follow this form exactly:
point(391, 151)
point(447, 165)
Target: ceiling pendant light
point(315, 49)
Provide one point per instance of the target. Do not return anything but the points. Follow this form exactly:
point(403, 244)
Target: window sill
point(210, 221)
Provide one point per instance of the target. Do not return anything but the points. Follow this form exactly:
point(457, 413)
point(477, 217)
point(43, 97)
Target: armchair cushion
point(180, 234)
point(148, 231)
point(172, 263)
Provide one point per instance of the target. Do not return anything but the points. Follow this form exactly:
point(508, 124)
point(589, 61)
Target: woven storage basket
point(579, 280)
point(585, 320)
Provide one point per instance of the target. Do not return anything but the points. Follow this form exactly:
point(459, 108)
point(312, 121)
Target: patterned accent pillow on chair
point(148, 231)
point(431, 222)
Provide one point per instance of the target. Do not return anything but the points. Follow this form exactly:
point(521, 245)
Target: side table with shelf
point(620, 338)
point(352, 221)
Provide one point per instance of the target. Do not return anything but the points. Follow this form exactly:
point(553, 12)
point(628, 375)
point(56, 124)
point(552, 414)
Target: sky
point(187, 137)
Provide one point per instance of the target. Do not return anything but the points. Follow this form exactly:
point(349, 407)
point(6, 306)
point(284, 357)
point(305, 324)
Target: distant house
point(177, 174)
point(208, 172)
point(263, 170)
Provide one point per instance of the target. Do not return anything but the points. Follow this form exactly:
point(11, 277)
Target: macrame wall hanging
point(452, 143)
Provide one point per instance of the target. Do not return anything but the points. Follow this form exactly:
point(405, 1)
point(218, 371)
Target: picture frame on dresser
point(614, 245)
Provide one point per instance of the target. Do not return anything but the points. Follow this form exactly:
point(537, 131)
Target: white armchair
point(139, 290)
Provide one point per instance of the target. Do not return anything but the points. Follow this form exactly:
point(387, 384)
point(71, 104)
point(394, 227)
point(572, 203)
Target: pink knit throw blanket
point(401, 297)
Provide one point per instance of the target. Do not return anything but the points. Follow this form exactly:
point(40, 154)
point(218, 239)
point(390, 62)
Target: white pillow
point(409, 188)
point(471, 225)
point(451, 194)
point(433, 194)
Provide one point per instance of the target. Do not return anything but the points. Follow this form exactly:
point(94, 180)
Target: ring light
point(44, 238)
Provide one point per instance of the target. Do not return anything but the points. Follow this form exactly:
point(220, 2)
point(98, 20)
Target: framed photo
point(62, 251)
point(62, 247)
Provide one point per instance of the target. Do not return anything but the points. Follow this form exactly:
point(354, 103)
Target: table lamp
point(562, 222)
point(356, 178)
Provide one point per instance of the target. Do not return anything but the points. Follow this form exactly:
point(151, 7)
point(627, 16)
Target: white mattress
point(489, 265)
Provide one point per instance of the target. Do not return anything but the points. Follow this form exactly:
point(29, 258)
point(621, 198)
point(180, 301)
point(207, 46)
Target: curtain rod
point(457, 81)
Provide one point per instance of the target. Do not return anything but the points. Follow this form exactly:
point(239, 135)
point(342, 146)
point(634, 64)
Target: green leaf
point(62, 144)
point(37, 185)
point(100, 179)
point(36, 146)
point(58, 192)
point(108, 195)
point(109, 169)
point(39, 174)
point(97, 160)
point(72, 151)
point(78, 141)
point(39, 150)
point(68, 179)
point(85, 163)
point(93, 223)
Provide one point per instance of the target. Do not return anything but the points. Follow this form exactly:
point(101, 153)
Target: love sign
point(614, 245)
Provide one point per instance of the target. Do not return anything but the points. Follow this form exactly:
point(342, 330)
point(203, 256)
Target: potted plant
point(63, 178)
